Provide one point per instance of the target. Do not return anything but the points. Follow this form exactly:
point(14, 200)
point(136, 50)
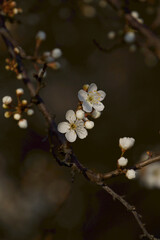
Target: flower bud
point(19, 76)
point(126, 142)
point(95, 114)
point(122, 161)
point(56, 53)
point(129, 37)
point(130, 174)
point(24, 102)
point(80, 114)
point(23, 123)
point(17, 116)
point(41, 35)
point(4, 106)
point(89, 124)
point(7, 114)
point(30, 112)
point(85, 87)
point(19, 91)
point(7, 100)
point(111, 35)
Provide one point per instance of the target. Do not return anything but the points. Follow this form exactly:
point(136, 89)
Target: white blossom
point(6, 100)
point(150, 175)
point(30, 112)
point(41, 35)
point(126, 143)
point(130, 174)
point(89, 124)
point(80, 114)
point(135, 14)
point(111, 35)
point(92, 98)
point(122, 161)
point(56, 53)
point(23, 123)
point(129, 37)
point(73, 127)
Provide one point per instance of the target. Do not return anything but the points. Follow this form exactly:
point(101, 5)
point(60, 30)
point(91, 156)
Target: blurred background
point(37, 198)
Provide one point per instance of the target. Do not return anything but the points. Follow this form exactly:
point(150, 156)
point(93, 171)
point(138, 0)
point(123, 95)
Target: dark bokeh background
point(37, 198)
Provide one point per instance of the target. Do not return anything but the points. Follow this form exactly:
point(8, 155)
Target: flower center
point(73, 126)
point(94, 97)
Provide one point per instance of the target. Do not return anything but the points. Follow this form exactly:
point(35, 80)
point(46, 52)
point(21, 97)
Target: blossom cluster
point(18, 110)
point(90, 105)
point(9, 8)
point(49, 57)
point(126, 143)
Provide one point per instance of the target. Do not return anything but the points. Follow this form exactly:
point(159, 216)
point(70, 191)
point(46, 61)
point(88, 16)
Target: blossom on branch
point(73, 127)
point(126, 142)
point(91, 98)
point(130, 174)
point(122, 162)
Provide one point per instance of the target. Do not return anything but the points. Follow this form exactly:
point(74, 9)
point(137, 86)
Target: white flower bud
point(122, 161)
point(17, 116)
point(95, 114)
point(6, 100)
point(19, 76)
point(56, 53)
point(126, 143)
point(130, 174)
point(23, 123)
point(19, 91)
point(129, 37)
point(89, 124)
point(80, 114)
point(30, 112)
point(111, 35)
point(135, 14)
point(41, 35)
point(15, 11)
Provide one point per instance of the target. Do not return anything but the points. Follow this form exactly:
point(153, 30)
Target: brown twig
point(152, 40)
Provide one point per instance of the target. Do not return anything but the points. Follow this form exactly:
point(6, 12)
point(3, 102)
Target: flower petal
point(92, 87)
point(63, 127)
point(82, 95)
point(71, 116)
point(81, 132)
point(71, 136)
point(98, 106)
point(102, 95)
point(87, 107)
